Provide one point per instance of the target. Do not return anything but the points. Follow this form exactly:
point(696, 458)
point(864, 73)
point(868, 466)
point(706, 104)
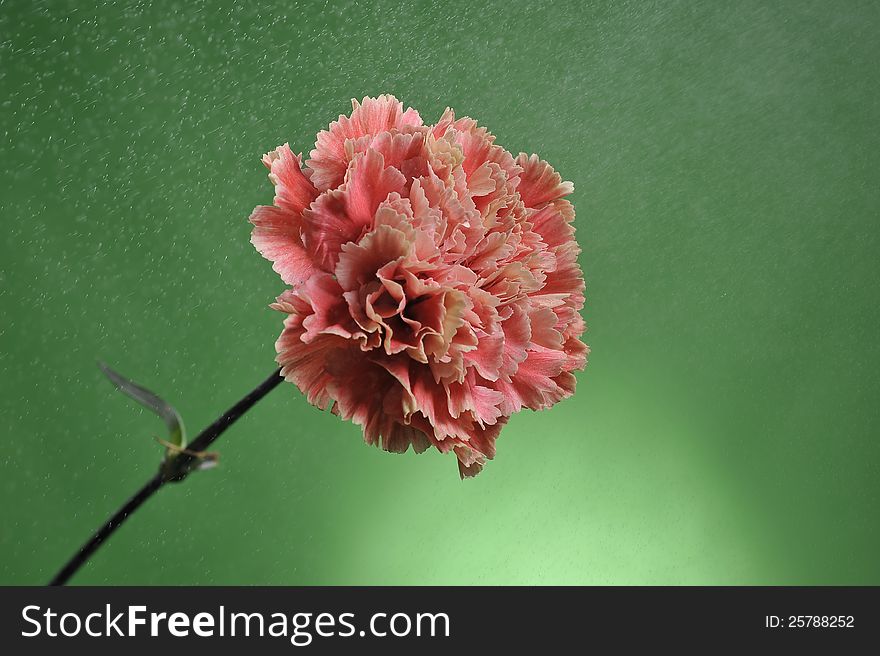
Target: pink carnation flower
point(435, 289)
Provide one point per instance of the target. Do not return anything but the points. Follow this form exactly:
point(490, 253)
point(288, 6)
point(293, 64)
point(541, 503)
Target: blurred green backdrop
point(725, 160)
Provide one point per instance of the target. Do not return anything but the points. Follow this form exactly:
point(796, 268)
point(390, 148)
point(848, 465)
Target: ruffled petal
point(276, 236)
point(372, 116)
point(539, 183)
point(368, 183)
point(293, 189)
point(359, 263)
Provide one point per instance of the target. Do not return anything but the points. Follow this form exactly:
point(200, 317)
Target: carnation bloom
point(434, 283)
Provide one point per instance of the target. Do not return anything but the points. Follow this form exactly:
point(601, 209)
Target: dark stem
point(176, 469)
point(79, 559)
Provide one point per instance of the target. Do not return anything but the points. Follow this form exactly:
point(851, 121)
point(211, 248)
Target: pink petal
point(373, 116)
point(330, 314)
point(369, 183)
point(539, 183)
point(534, 383)
point(276, 236)
point(358, 263)
point(470, 461)
point(293, 190)
point(326, 227)
point(304, 364)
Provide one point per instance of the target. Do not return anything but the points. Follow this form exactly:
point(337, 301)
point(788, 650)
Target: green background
point(725, 160)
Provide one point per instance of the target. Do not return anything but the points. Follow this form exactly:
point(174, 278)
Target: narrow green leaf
point(151, 401)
